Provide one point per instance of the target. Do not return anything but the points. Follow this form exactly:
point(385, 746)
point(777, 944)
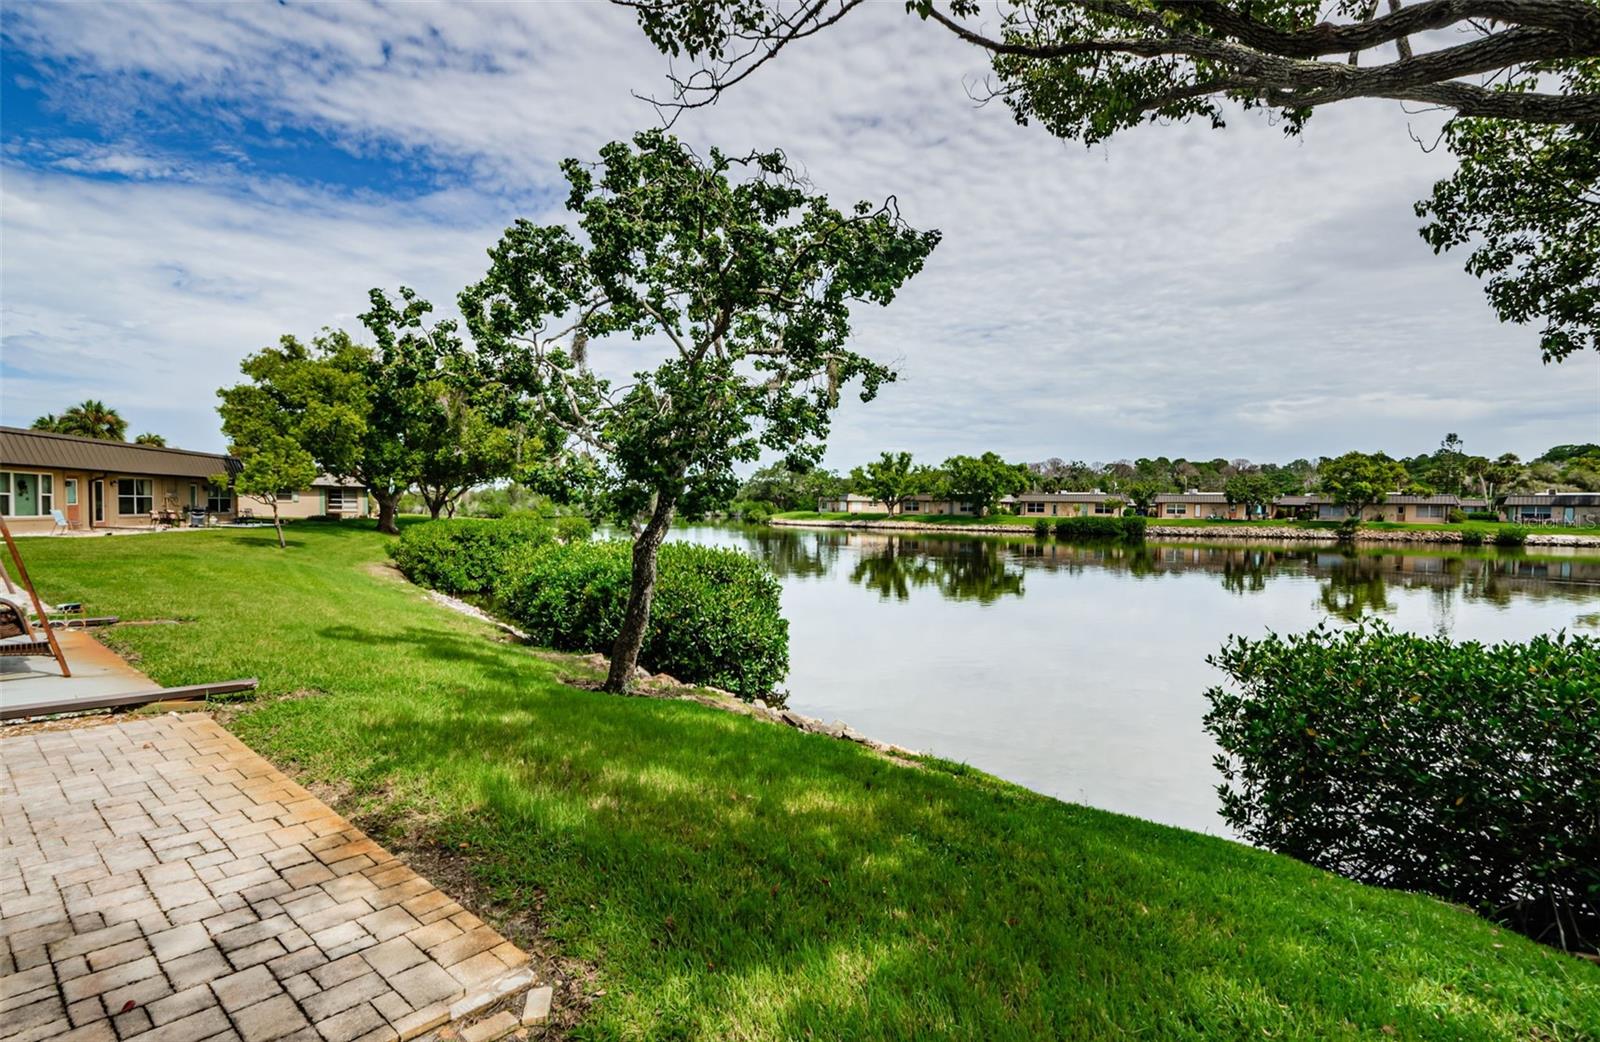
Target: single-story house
point(1066, 504)
point(1199, 504)
point(119, 484)
point(1395, 507)
point(851, 504)
point(1559, 508)
point(103, 484)
point(915, 504)
point(327, 496)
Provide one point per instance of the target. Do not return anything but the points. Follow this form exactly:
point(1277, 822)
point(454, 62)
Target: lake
point(1079, 671)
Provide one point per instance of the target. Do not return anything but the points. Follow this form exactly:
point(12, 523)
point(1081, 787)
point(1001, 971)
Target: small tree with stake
point(749, 282)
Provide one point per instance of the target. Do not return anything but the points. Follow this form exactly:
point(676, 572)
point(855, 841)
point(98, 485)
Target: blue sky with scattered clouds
point(182, 184)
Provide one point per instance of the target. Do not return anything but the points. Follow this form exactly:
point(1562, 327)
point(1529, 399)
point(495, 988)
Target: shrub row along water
point(1121, 529)
point(1461, 770)
point(715, 619)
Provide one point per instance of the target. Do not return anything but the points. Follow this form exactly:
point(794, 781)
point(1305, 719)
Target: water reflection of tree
point(961, 571)
point(795, 554)
point(1356, 589)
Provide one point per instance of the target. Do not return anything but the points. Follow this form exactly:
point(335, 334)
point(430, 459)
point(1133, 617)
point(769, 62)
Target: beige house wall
point(72, 493)
point(162, 493)
point(310, 502)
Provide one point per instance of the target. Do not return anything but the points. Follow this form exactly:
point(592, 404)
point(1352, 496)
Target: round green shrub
point(1461, 770)
point(464, 555)
point(1511, 535)
point(1041, 528)
point(1454, 516)
point(715, 619)
point(1473, 537)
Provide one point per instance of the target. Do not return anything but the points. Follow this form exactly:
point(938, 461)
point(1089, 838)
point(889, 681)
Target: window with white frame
point(1103, 508)
point(135, 496)
point(1177, 509)
point(1035, 508)
point(72, 491)
point(219, 501)
point(1430, 510)
point(344, 500)
point(26, 493)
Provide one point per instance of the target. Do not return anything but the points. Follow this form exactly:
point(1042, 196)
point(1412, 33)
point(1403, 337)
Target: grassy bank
point(732, 879)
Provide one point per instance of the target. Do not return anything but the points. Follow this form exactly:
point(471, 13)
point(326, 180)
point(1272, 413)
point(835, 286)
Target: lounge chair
point(61, 522)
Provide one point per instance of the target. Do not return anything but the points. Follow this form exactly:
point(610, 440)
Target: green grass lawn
point(730, 879)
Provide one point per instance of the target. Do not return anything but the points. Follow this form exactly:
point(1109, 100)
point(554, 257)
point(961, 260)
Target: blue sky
point(182, 184)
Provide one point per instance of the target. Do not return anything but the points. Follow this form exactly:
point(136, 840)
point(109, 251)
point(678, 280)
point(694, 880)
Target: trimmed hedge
point(1461, 770)
point(1126, 529)
point(466, 555)
point(1482, 515)
point(715, 618)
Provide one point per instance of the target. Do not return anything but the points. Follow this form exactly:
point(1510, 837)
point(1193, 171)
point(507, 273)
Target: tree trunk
point(435, 507)
point(386, 511)
point(277, 522)
point(641, 591)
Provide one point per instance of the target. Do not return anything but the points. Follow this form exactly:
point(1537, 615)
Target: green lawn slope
point(730, 879)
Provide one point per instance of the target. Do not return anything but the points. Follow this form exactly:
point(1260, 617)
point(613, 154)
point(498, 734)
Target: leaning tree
point(1520, 80)
point(739, 274)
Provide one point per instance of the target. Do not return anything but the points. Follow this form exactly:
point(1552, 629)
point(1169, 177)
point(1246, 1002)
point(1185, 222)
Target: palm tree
point(92, 418)
point(151, 439)
point(48, 422)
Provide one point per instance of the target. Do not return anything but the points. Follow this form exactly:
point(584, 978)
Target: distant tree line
point(1351, 478)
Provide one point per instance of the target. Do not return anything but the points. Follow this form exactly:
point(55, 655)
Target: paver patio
point(159, 881)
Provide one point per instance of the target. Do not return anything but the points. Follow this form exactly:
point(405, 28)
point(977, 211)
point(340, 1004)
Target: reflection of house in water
point(1353, 583)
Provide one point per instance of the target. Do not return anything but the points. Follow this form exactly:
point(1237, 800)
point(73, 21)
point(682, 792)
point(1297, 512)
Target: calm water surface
point(1080, 671)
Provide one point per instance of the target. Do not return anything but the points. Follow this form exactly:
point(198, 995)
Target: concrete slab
point(97, 672)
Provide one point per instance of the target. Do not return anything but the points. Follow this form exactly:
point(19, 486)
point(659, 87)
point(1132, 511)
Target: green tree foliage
point(1525, 200)
point(1255, 491)
point(1522, 81)
point(983, 480)
point(890, 479)
point(265, 438)
point(1358, 480)
point(440, 418)
point(153, 440)
point(747, 278)
point(782, 487)
point(1142, 494)
point(90, 418)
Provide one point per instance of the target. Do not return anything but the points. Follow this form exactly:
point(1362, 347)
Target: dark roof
point(1192, 497)
point(1295, 501)
point(1393, 497)
point(25, 448)
point(1557, 499)
point(1061, 497)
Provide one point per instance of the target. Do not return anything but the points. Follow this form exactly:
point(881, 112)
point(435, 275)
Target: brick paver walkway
point(159, 881)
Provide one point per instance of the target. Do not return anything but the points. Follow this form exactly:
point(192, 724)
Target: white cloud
point(1179, 290)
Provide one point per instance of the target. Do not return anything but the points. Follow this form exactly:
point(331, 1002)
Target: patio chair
point(60, 520)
